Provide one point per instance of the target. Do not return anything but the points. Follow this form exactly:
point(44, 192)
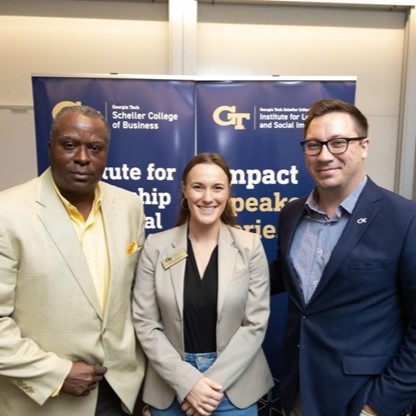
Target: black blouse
point(200, 304)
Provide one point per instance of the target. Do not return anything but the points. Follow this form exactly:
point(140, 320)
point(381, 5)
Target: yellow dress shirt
point(91, 234)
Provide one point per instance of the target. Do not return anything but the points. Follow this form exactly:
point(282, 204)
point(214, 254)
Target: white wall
point(270, 40)
point(70, 36)
point(67, 37)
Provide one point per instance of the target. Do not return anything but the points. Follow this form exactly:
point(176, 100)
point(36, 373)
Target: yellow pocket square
point(132, 248)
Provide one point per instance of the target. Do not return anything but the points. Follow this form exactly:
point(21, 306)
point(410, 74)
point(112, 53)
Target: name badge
point(174, 258)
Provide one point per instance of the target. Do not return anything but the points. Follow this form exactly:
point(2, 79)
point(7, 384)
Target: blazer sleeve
point(36, 372)
point(246, 342)
point(150, 331)
point(276, 273)
point(396, 385)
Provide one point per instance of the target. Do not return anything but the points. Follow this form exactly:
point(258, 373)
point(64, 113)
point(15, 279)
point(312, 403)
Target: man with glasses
point(346, 256)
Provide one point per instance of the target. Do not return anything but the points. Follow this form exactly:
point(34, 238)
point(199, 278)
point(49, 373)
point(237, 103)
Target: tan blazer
point(243, 311)
point(49, 311)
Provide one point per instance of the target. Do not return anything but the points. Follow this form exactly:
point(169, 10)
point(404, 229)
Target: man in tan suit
point(68, 251)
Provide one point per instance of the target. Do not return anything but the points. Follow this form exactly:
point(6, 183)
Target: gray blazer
point(243, 311)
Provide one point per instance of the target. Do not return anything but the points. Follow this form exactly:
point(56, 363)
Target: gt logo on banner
point(232, 118)
point(58, 107)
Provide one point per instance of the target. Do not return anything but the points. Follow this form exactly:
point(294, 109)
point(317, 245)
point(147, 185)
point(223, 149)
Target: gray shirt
point(316, 237)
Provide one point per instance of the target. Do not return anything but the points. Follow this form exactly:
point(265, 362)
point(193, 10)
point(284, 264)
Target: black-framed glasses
point(336, 146)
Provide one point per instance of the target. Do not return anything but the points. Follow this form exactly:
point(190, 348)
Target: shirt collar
point(72, 210)
point(347, 204)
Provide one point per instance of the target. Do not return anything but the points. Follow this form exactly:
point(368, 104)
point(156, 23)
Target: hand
point(204, 397)
point(367, 410)
point(82, 378)
point(188, 409)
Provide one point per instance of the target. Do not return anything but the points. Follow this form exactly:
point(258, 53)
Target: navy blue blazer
point(355, 340)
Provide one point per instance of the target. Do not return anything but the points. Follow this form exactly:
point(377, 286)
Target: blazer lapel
point(361, 218)
point(226, 258)
point(54, 217)
point(227, 254)
point(177, 271)
point(286, 235)
point(115, 244)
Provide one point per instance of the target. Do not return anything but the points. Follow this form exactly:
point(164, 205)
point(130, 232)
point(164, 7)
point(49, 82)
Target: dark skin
point(83, 378)
point(78, 155)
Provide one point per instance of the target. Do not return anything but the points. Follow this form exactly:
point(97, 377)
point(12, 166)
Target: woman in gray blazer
point(201, 304)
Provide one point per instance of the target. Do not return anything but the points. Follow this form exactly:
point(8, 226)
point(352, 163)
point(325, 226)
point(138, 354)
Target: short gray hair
point(84, 110)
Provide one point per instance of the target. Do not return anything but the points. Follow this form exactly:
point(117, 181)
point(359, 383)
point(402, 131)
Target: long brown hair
point(227, 217)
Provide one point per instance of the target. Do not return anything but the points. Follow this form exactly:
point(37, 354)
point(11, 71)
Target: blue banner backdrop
point(152, 133)
point(159, 124)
